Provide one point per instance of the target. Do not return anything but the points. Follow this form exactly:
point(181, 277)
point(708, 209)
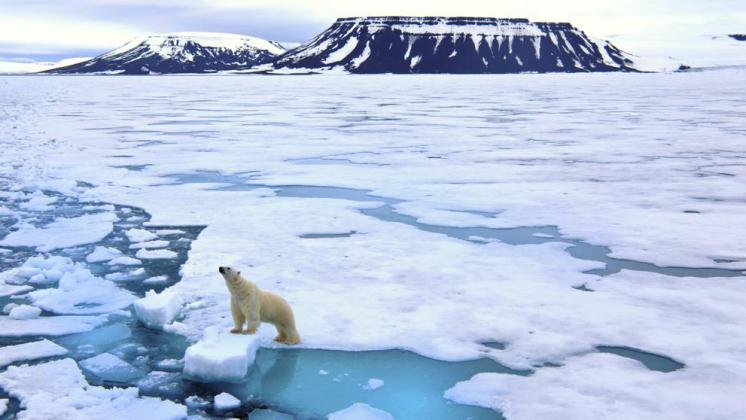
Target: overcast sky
point(55, 29)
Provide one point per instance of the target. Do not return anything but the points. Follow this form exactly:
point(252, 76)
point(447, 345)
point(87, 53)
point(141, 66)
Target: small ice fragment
point(157, 254)
point(140, 235)
point(30, 351)
point(124, 260)
point(25, 312)
point(220, 356)
point(156, 310)
point(108, 367)
point(155, 380)
point(150, 244)
point(225, 401)
point(3, 405)
point(170, 364)
point(360, 411)
point(323, 372)
point(196, 402)
point(125, 276)
point(373, 384)
point(7, 308)
point(103, 253)
point(153, 281)
point(169, 232)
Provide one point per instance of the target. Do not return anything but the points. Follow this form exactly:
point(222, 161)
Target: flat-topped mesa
point(432, 44)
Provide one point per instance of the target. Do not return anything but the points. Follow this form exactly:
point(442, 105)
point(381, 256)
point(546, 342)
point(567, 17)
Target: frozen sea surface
point(588, 227)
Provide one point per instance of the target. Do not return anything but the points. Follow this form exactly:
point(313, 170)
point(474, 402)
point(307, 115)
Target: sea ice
point(25, 312)
point(30, 351)
point(156, 254)
point(63, 232)
point(373, 384)
point(225, 401)
point(80, 292)
point(220, 356)
point(11, 289)
point(103, 253)
point(108, 367)
point(140, 235)
point(267, 414)
point(150, 244)
point(156, 280)
point(124, 260)
point(360, 411)
point(158, 309)
point(3, 405)
point(58, 389)
point(52, 325)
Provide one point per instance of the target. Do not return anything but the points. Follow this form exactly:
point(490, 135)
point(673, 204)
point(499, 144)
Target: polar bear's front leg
point(254, 317)
point(238, 317)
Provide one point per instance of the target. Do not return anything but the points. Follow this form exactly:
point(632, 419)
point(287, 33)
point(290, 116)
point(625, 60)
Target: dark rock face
point(738, 37)
point(453, 45)
point(180, 53)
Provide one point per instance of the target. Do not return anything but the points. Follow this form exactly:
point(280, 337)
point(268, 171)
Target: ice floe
point(158, 309)
point(225, 401)
point(63, 232)
point(156, 254)
point(360, 411)
point(30, 351)
point(220, 356)
point(24, 312)
point(53, 326)
point(58, 390)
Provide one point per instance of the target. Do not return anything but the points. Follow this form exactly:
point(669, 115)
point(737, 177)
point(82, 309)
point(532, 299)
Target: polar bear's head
point(229, 274)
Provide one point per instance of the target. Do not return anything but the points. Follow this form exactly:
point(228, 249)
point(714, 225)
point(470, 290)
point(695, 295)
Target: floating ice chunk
point(53, 325)
point(225, 401)
point(25, 312)
point(360, 411)
point(323, 372)
point(220, 356)
point(197, 402)
point(170, 232)
point(108, 367)
point(125, 276)
point(38, 202)
point(267, 414)
point(39, 270)
point(157, 254)
point(140, 235)
point(103, 253)
point(10, 289)
point(150, 244)
point(170, 364)
point(373, 384)
point(157, 380)
point(9, 307)
point(63, 232)
point(158, 309)
point(3, 405)
point(58, 389)
point(90, 343)
point(30, 351)
point(80, 292)
point(124, 260)
point(154, 281)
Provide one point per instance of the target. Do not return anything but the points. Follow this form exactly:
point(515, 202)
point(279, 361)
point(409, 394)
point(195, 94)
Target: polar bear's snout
point(222, 269)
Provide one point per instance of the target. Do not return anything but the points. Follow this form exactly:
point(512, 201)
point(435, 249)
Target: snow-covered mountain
point(196, 52)
point(452, 45)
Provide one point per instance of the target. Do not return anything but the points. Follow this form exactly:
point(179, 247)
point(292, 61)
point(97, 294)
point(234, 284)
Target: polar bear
point(251, 305)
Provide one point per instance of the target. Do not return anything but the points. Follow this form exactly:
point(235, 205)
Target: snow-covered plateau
point(494, 246)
